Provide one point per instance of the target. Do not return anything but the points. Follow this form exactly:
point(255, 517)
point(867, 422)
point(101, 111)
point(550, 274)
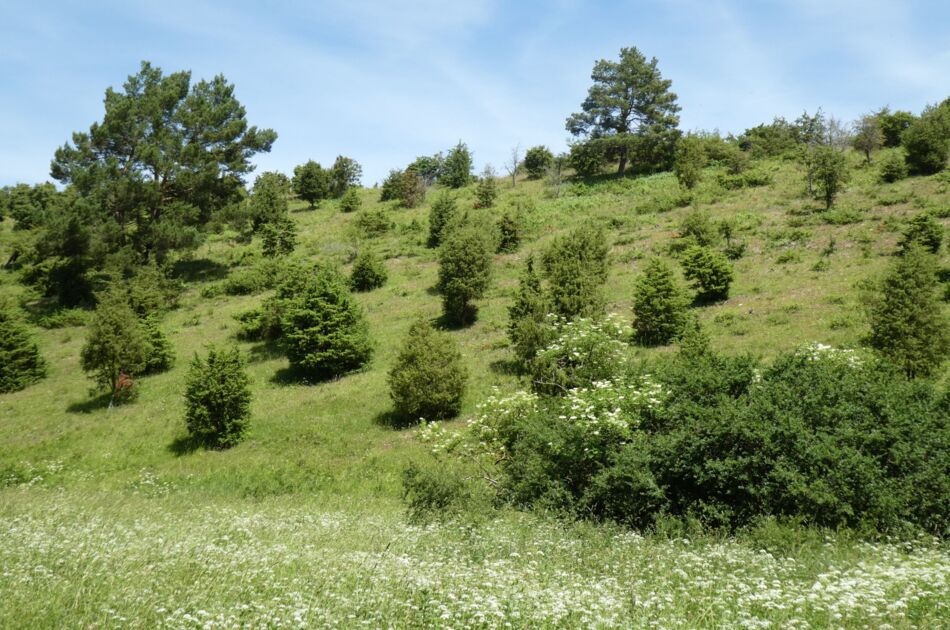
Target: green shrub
point(264, 323)
point(217, 398)
point(159, 353)
point(828, 169)
point(893, 167)
point(351, 202)
point(464, 271)
point(428, 378)
point(924, 230)
point(21, 364)
point(487, 189)
point(150, 291)
point(456, 169)
point(115, 348)
point(581, 352)
point(279, 238)
point(528, 326)
point(323, 331)
point(442, 215)
point(709, 272)
point(908, 324)
point(927, 141)
point(588, 158)
point(252, 280)
point(690, 160)
point(537, 160)
point(575, 266)
point(435, 493)
point(699, 228)
point(372, 223)
point(659, 305)
point(369, 272)
point(509, 233)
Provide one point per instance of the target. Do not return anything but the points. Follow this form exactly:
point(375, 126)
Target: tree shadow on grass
point(90, 404)
point(264, 351)
point(393, 420)
point(184, 445)
point(199, 270)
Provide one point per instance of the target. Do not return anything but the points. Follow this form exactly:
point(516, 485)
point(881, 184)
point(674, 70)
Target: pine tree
point(528, 328)
point(115, 348)
point(428, 378)
point(324, 331)
point(908, 325)
point(659, 305)
point(21, 364)
point(217, 398)
point(464, 271)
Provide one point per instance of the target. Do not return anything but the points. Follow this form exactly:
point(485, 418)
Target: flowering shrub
point(583, 351)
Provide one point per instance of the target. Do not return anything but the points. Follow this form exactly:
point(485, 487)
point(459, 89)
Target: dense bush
point(115, 349)
point(659, 305)
point(464, 271)
point(509, 233)
point(528, 326)
point(908, 324)
point(456, 170)
point(217, 398)
point(698, 228)
point(369, 272)
point(372, 223)
point(21, 364)
point(351, 202)
point(828, 437)
point(828, 168)
point(927, 141)
point(709, 272)
point(442, 214)
point(924, 230)
point(428, 378)
point(893, 125)
point(581, 353)
point(323, 331)
point(537, 160)
point(279, 238)
point(311, 182)
point(159, 353)
point(690, 160)
point(587, 158)
point(575, 266)
point(487, 189)
point(893, 167)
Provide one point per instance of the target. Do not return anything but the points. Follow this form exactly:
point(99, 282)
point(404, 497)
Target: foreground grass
point(147, 559)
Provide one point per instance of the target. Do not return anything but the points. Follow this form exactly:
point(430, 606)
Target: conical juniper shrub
point(217, 398)
point(21, 364)
point(428, 378)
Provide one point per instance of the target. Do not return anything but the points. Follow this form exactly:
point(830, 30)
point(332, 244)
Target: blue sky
point(384, 82)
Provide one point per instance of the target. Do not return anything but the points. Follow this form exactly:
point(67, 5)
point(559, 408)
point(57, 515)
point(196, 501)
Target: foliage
point(528, 328)
point(391, 190)
point(442, 214)
point(575, 266)
point(537, 160)
point(372, 223)
point(344, 174)
point(769, 140)
point(406, 187)
point(867, 136)
point(698, 228)
point(351, 202)
point(323, 330)
point(829, 167)
point(487, 189)
point(268, 201)
point(588, 158)
point(456, 169)
point(21, 363)
point(927, 141)
point(164, 145)
point(893, 167)
point(628, 96)
point(709, 271)
point(659, 305)
point(924, 230)
point(509, 233)
point(908, 324)
point(465, 259)
point(159, 353)
point(217, 398)
point(428, 378)
point(428, 167)
point(369, 272)
point(581, 354)
point(279, 238)
point(690, 160)
point(115, 349)
point(311, 182)
point(893, 125)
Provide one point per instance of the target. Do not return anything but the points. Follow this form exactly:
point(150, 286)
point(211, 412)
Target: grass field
point(107, 518)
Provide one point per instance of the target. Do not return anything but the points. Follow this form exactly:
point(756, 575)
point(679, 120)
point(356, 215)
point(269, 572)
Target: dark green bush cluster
point(923, 230)
point(825, 436)
point(248, 281)
point(442, 214)
point(372, 223)
point(465, 260)
point(709, 272)
point(404, 186)
point(893, 168)
point(369, 272)
point(509, 233)
point(351, 202)
point(21, 364)
point(159, 353)
point(659, 305)
point(927, 141)
point(217, 398)
point(279, 238)
point(428, 378)
point(487, 189)
point(537, 160)
point(323, 331)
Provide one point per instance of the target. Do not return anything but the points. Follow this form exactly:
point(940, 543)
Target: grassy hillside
point(302, 520)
